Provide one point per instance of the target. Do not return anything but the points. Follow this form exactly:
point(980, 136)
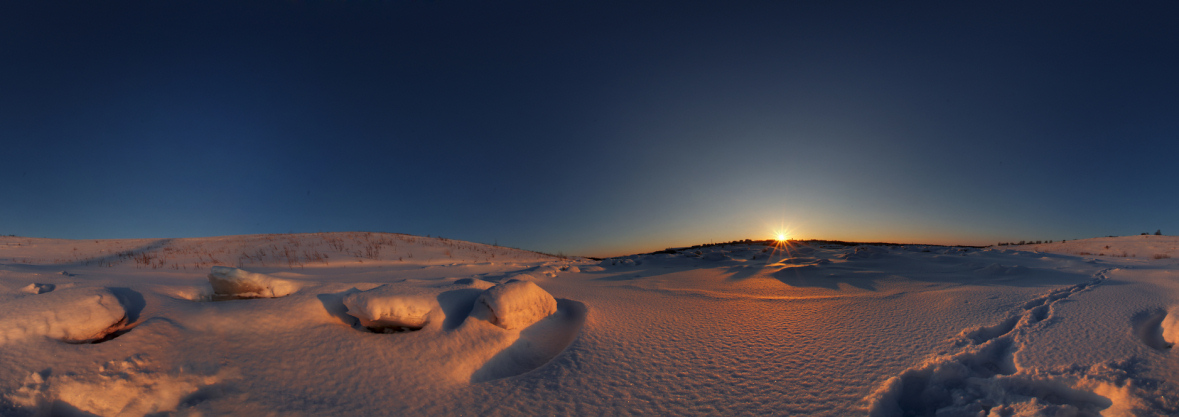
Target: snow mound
point(393, 308)
point(573, 269)
point(239, 283)
point(473, 282)
point(521, 277)
point(37, 288)
point(548, 271)
point(514, 304)
point(73, 315)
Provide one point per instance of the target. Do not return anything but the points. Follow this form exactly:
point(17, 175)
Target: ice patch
point(393, 308)
point(74, 315)
point(514, 304)
point(233, 283)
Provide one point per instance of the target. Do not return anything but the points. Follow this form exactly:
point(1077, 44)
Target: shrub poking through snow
point(72, 315)
point(233, 283)
point(514, 304)
point(392, 308)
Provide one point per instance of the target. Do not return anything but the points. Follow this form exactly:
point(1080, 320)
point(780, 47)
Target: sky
point(593, 128)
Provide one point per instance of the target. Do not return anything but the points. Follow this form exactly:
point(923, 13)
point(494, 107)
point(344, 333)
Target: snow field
point(819, 329)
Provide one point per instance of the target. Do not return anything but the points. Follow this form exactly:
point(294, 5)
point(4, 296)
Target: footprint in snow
point(1148, 327)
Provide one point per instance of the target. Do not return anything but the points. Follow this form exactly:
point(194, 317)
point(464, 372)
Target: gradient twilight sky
point(590, 127)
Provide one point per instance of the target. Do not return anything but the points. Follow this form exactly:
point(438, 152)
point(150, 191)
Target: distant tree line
point(1027, 242)
point(1158, 232)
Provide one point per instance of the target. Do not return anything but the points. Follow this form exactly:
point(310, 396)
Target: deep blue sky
point(590, 127)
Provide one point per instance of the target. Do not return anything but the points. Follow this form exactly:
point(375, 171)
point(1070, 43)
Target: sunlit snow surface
point(384, 324)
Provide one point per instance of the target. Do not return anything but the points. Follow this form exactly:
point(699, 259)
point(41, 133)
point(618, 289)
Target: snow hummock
point(71, 315)
point(515, 304)
point(239, 283)
point(392, 307)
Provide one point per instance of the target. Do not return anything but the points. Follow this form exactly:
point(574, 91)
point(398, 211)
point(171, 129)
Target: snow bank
point(71, 315)
point(393, 307)
point(514, 304)
point(239, 283)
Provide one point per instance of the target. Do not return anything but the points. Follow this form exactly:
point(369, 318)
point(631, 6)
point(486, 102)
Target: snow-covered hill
point(351, 324)
point(1139, 246)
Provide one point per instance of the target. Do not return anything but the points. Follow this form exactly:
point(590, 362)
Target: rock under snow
point(37, 288)
point(71, 315)
point(393, 307)
point(514, 304)
point(239, 283)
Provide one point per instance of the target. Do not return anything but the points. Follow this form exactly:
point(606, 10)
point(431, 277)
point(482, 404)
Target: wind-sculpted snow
point(821, 329)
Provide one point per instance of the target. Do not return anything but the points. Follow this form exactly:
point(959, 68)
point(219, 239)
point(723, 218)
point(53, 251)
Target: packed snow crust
point(135, 328)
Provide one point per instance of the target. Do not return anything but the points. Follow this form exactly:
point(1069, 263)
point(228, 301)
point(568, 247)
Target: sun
point(781, 236)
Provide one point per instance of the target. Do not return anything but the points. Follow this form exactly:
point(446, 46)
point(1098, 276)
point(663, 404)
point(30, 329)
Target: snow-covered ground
point(385, 324)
